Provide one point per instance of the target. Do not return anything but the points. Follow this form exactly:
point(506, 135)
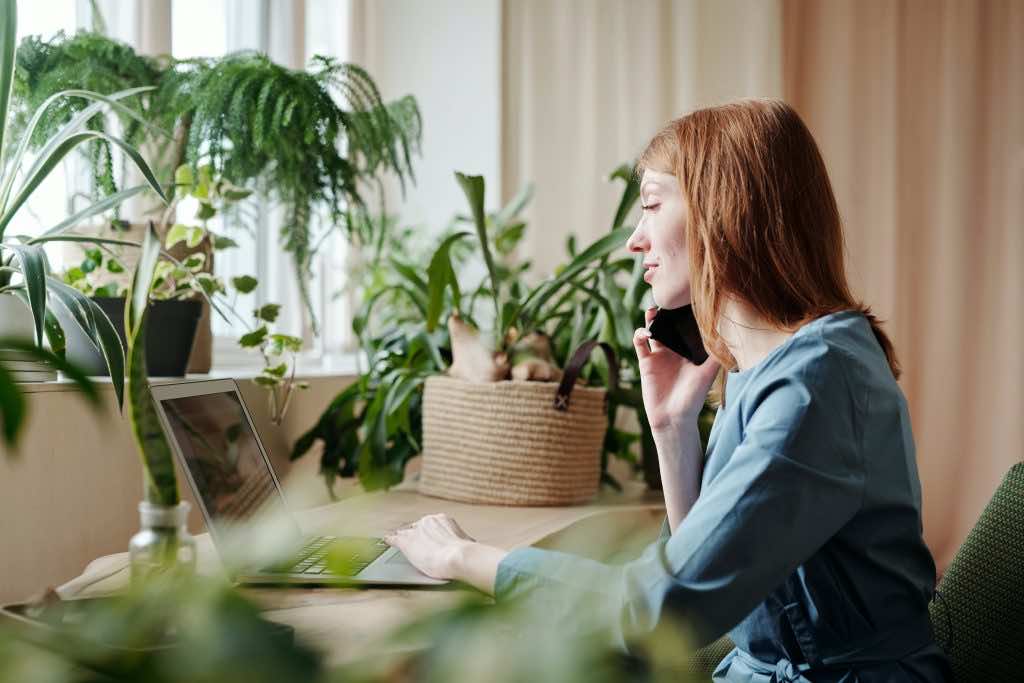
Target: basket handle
point(575, 366)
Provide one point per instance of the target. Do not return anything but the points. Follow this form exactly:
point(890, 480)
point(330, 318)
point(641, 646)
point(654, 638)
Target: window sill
point(342, 365)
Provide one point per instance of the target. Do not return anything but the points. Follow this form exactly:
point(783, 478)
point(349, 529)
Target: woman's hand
point(673, 388)
point(431, 544)
point(438, 547)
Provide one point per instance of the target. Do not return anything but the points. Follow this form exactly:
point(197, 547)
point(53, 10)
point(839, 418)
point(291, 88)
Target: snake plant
point(157, 459)
point(24, 269)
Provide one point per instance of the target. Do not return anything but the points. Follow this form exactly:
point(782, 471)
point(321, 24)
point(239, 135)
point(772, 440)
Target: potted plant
point(183, 283)
point(375, 425)
point(255, 123)
point(28, 291)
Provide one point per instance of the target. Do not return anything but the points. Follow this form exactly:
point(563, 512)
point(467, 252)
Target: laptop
point(212, 435)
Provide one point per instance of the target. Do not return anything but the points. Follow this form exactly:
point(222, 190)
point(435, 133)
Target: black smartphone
point(677, 329)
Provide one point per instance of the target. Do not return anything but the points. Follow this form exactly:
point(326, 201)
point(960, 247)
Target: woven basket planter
point(506, 443)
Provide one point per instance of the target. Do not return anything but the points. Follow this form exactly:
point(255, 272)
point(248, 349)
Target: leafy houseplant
point(24, 269)
point(375, 426)
point(253, 122)
point(180, 286)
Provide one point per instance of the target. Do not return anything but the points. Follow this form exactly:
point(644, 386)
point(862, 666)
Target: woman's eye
point(650, 207)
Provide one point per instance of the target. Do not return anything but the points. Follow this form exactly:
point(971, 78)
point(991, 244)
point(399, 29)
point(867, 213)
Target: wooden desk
point(342, 621)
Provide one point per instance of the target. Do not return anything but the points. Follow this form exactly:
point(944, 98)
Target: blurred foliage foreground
point(203, 630)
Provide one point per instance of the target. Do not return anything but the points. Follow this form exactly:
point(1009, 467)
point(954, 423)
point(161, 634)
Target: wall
point(447, 54)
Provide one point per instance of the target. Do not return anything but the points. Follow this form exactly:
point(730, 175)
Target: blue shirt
point(805, 543)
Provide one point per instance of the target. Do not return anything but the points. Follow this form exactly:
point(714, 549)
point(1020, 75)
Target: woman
point(804, 543)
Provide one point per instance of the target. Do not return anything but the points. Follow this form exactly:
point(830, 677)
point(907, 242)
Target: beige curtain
point(587, 82)
point(919, 111)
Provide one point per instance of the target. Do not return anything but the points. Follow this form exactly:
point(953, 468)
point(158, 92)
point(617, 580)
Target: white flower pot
point(15, 318)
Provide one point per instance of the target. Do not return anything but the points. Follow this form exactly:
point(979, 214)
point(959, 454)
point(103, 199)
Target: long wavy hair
point(763, 223)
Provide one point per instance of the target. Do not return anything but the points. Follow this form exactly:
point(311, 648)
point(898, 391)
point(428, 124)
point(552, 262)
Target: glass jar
point(163, 543)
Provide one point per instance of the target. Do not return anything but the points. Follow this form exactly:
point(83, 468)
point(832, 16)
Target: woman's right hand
point(673, 388)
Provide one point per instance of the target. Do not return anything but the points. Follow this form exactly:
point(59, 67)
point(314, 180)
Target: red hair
point(763, 223)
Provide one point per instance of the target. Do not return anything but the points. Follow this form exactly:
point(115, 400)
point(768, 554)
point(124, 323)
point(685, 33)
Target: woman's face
point(661, 237)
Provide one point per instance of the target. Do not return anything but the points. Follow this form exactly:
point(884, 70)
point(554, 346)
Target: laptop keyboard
point(311, 559)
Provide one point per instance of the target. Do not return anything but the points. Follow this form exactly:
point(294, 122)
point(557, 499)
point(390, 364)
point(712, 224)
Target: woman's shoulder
point(834, 358)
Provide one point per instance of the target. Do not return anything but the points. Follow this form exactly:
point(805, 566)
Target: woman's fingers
point(648, 317)
point(641, 337)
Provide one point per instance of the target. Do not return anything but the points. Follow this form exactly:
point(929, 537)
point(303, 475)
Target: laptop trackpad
point(393, 566)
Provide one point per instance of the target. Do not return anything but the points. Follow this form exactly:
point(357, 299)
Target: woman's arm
point(681, 460)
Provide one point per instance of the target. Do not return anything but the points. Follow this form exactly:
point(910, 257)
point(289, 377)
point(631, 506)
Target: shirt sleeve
point(795, 479)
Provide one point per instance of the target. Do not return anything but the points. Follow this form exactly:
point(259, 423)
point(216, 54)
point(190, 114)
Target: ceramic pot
point(170, 332)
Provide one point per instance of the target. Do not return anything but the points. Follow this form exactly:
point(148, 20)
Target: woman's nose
point(637, 242)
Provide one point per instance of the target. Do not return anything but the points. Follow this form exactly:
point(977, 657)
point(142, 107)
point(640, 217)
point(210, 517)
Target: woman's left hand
point(431, 544)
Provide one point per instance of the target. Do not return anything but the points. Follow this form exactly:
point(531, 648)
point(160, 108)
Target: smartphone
point(677, 329)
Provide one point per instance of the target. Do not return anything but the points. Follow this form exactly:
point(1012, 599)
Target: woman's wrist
point(475, 564)
point(675, 427)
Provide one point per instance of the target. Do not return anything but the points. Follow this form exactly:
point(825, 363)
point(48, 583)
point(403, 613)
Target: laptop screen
point(223, 457)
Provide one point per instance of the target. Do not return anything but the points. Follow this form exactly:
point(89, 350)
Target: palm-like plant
point(24, 269)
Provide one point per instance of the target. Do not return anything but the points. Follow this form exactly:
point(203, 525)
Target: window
point(49, 204)
point(290, 31)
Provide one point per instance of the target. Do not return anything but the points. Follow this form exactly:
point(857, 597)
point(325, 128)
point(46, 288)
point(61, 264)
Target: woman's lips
point(649, 273)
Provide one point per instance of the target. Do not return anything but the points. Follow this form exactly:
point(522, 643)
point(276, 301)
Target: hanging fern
point(311, 140)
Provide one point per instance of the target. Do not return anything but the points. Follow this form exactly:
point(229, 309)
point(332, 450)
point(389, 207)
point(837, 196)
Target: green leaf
point(268, 312)
point(73, 275)
point(12, 408)
point(514, 207)
point(473, 187)
point(254, 338)
point(265, 381)
point(277, 370)
point(191, 235)
point(96, 326)
point(47, 163)
point(630, 193)
point(194, 262)
point(88, 265)
point(206, 283)
point(287, 342)
point(110, 290)
point(8, 46)
point(142, 281)
point(71, 127)
point(55, 334)
point(205, 212)
point(235, 194)
point(150, 440)
point(201, 189)
point(184, 178)
point(244, 283)
point(221, 242)
point(94, 255)
point(439, 275)
point(509, 238)
point(177, 233)
point(34, 271)
point(114, 266)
